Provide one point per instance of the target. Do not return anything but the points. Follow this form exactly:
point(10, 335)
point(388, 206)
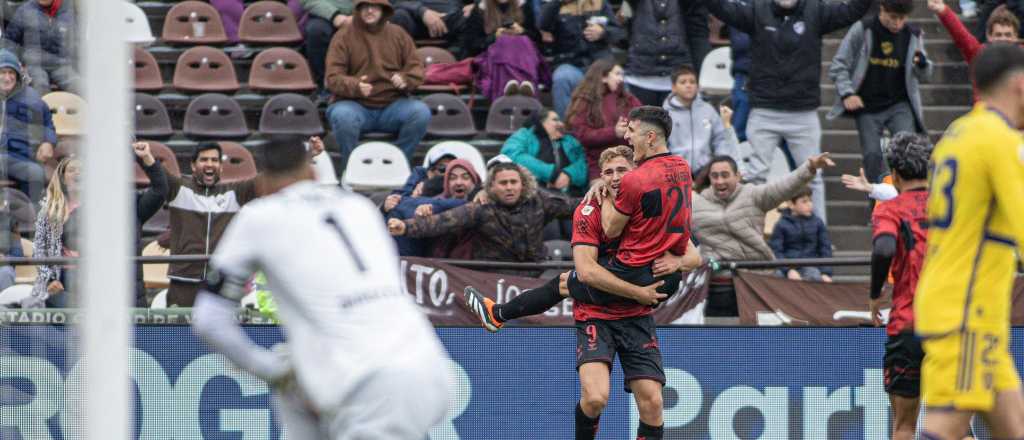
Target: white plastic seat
point(160, 300)
point(715, 72)
point(15, 293)
point(325, 174)
point(25, 274)
point(154, 276)
point(376, 165)
point(461, 150)
point(136, 25)
point(67, 111)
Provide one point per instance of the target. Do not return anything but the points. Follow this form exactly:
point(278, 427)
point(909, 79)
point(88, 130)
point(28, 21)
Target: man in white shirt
point(361, 361)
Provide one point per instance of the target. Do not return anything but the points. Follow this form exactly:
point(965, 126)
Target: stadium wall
point(723, 383)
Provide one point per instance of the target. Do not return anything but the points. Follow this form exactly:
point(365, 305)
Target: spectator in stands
point(513, 64)
point(554, 158)
point(801, 234)
point(506, 228)
point(739, 45)
point(505, 17)
point(987, 9)
point(582, 32)
point(44, 32)
point(372, 67)
point(698, 132)
point(663, 35)
point(1002, 26)
point(597, 114)
point(231, 15)
point(458, 185)
point(785, 74)
point(325, 18)
point(57, 236)
point(437, 161)
point(28, 135)
point(728, 220)
point(440, 19)
point(10, 246)
point(147, 203)
point(876, 71)
point(201, 208)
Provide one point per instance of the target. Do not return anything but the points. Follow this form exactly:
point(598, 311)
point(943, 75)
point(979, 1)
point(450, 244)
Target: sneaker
point(482, 307)
point(526, 89)
point(511, 87)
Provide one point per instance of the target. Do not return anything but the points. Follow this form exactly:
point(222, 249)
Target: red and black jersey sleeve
point(627, 200)
point(586, 225)
point(885, 220)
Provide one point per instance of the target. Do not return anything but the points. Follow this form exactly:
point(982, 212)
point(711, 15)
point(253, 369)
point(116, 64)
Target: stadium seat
point(237, 163)
point(147, 72)
point(194, 22)
point(450, 117)
point(376, 165)
point(215, 115)
point(26, 274)
point(151, 118)
point(269, 22)
point(325, 174)
point(15, 294)
point(508, 113)
point(136, 25)
point(205, 69)
point(166, 157)
point(154, 276)
point(280, 69)
point(434, 55)
point(67, 111)
point(290, 113)
point(461, 150)
point(160, 300)
point(715, 75)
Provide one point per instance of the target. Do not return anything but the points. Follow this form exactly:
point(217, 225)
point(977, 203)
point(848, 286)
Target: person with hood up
point(556, 159)
point(698, 132)
point(28, 134)
point(458, 184)
point(372, 68)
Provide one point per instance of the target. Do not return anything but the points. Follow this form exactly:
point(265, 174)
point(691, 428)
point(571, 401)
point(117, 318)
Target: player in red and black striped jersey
point(900, 236)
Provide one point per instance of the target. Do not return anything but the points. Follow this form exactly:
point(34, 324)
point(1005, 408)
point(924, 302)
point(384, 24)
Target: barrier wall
point(723, 383)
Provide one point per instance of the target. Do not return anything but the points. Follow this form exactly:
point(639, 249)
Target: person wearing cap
point(437, 159)
point(28, 135)
point(455, 188)
point(44, 32)
point(372, 70)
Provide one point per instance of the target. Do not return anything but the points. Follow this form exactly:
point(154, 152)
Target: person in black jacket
point(801, 234)
point(582, 32)
point(147, 203)
point(440, 19)
point(785, 74)
point(664, 35)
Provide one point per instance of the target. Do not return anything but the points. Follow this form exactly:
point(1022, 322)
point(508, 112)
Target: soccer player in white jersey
point(362, 361)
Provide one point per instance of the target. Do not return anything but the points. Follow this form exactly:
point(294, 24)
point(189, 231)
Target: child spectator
point(801, 234)
point(698, 132)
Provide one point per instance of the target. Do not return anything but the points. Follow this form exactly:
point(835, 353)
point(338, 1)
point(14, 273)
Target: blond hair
point(56, 193)
point(613, 152)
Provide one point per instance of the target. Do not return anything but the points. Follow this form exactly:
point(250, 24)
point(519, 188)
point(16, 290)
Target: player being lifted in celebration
point(348, 368)
point(976, 228)
point(900, 241)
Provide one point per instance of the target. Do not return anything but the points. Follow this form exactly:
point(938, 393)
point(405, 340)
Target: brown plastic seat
point(165, 155)
point(205, 69)
point(269, 22)
point(194, 22)
point(434, 55)
point(237, 163)
point(290, 113)
point(147, 72)
point(151, 118)
point(215, 115)
point(449, 117)
point(508, 113)
point(280, 69)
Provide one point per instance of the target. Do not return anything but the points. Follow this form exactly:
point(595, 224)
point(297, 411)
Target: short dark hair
point(656, 116)
point(904, 7)
point(685, 69)
point(285, 153)
point(204, 146)
point(907, 155)
point(1003, 17)
point(804, 192)
point(727, 159)
point(995, 63)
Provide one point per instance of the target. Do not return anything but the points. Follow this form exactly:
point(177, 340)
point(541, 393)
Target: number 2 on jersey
point(944, 175)
point(345, 241)
point(681, 199)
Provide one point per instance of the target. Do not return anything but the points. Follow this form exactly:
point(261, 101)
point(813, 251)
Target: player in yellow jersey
point(976, 223)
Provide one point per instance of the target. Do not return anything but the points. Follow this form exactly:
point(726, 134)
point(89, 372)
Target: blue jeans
point(740, 106)
point(405, 117)
point(564, 81)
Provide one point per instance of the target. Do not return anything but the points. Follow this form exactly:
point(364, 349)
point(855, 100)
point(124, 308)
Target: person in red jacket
point(1002, 26)
point(598, 109)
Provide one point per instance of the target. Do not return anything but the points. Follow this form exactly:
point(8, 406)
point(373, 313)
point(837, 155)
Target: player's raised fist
point(936, 6)
point(396, 227)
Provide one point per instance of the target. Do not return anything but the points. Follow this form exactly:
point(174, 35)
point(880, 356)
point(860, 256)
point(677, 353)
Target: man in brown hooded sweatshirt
point(372, 68)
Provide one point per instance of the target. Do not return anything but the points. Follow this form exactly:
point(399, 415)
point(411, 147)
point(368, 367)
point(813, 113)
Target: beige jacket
point(732, 229)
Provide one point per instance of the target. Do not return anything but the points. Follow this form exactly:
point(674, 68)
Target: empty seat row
point(263, 22)
point(208, 69)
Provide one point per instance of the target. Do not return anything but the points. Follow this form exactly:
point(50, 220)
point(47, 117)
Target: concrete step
point(944, 72)
point(930, 26)
point(850, 238)
point(931, 94)
point(848, 212)
point(847, 141)
point(846, 163)
point(939, 50)
point(935, 118)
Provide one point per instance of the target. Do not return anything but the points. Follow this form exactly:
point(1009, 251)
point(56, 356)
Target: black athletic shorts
point(632, 339)
point(640, 276)
point(903, 356)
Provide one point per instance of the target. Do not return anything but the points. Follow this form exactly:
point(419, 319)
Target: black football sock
point(530, 302)
point(648, 432)
point(586, 427)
